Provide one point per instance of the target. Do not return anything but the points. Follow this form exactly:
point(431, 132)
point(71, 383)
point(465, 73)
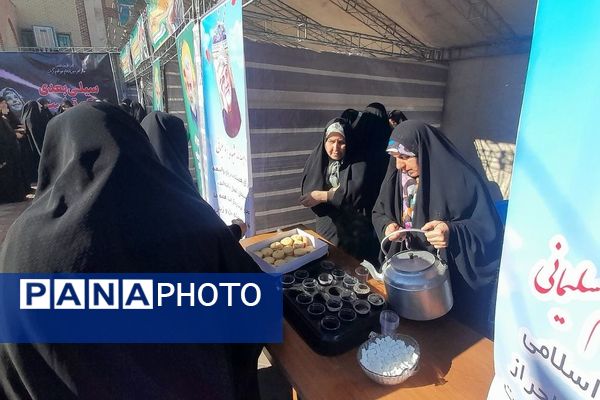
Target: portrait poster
point(139, 43)
point(225, 112)
point(158, 103)
point(188, 54)
point(125, 60)
point(547, 337)
point(55, 77)
point(164, 17)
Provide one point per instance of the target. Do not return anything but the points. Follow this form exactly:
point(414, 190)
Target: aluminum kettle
point(417, 282)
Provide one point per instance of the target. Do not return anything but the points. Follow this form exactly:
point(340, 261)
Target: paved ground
point(273, 386)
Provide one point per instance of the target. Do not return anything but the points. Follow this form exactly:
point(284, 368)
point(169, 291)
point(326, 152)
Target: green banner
point(158, 103)
point(125, 59)
point(164, 17)
point(188, 54)
point(139, 44)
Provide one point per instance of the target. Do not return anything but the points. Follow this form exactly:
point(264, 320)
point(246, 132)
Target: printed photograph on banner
point(164, 17)
point(139, 43)
point(225, 111)
point(56, 77)
point(187, 50)
point(125, 60)
point(157, 87)
point(547, 330)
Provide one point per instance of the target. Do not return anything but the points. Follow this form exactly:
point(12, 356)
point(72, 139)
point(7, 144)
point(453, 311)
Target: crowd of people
point(372, 174)
point(376, 173)
point(22, 139)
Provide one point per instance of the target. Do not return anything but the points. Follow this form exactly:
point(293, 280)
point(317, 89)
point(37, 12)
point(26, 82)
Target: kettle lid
point(412, 261)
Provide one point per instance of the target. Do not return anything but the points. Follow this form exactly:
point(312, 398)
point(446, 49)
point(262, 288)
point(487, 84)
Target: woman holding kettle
point(430, 186)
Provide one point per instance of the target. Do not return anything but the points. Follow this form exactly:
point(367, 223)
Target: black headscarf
point(168, 136)
point(106, 204)
point(13, 185)
point(138, 111)
point(372, 132)
point(35, 124)
point(344, 220)
point(449, 190)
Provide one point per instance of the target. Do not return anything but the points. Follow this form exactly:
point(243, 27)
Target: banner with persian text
point(547, 340)
point(56, 77)
point(226, 113)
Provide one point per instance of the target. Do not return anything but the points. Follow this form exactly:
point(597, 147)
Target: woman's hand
point(313, 198)
point(392, 228)
point(437, 233)
point(241, 224)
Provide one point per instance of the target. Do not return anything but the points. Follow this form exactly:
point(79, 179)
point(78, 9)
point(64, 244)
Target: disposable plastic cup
point(362, 274)
point(349, 282)
point(338, 274)
point(287, 280)
point(316, 310)
point(300, 275)
point(330, 323)
point(389, 322)
point(347, 315)
point(325, 279)
point(334, 305)
point(304, 299)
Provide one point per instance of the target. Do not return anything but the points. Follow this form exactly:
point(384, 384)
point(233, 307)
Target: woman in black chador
point(106, 204)
point(430, 186)
point(35, 124)
point(169, 138)
point(335, 186)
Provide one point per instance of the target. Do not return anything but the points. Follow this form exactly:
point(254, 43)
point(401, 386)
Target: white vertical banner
point(226, 113)
point(547, 339)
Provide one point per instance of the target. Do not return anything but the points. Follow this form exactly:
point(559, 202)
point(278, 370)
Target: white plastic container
point(321, 249)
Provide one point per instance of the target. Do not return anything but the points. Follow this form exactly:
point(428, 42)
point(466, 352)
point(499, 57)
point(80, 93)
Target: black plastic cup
point(287, 280)
point(362, 307)
point(348, 297)
point(338, 274)
point(300, 274)
point(304, 299)
point(333, 304)
point(376, 300)
point(347, 315)
point(330, 323)
point(334, 291)
point(316, 310)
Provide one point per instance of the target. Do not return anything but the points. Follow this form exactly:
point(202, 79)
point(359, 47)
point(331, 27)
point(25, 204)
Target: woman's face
point(3, 105)
point(335, 146)
point(407, 164)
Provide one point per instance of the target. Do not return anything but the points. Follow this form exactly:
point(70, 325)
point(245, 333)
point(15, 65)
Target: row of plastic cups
point(362, 274)
point(335, 304)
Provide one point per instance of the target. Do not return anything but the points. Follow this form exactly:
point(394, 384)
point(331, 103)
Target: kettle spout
point(378, 276)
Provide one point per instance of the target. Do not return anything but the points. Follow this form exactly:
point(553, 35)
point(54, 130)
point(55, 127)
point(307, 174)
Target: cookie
point(270, 260)
point(267, 252)
point(287, 241)
point(278, 255)
point(276, 246)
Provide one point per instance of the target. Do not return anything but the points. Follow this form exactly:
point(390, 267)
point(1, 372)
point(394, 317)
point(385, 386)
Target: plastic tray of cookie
point(329, 308)
point(287, 251)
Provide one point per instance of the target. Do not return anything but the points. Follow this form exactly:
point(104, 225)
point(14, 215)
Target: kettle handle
point(387, 238)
